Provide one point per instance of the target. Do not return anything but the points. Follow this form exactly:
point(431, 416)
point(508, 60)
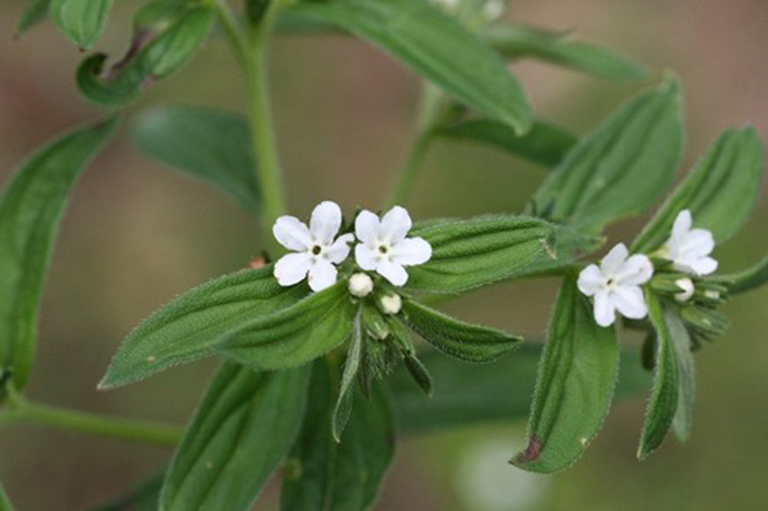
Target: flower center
point(383, 249)
point(316, 250)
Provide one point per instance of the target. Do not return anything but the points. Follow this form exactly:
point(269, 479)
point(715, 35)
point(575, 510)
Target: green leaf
point(620, 169)
point(255, 10)
point(467, 394)
point(35, 12)
point(464, 341)
point(5, 503)
point(517, 42)
point(471, 253)
point(662, 408)
point(295, 335)
point(720, 191)
point(747, 280)
point(141, 498)
point(686, 388)
point(188, 327)
point(82, 21)
point(343, 406)
point(574, 388)
point(31, 207)
point(149, 59)
point(434, 45)
point(211, 145)
point(323, 475)
point(242, 432)
point(546, 144)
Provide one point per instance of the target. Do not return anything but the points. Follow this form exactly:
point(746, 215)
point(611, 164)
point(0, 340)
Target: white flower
point(687, 289)
point(615, 285)
point(316, 247)
point(384, 247)
point(689, 249)
point(494, 9)
point(360, 285)
point(391, 304)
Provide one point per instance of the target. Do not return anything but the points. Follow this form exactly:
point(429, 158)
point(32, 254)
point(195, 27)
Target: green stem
point(21, 410)
point(428, 118)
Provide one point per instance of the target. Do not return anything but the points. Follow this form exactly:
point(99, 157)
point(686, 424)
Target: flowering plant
point(316, 345)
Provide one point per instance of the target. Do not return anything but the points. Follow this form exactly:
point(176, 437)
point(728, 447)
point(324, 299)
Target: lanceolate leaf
point(143, 497)
point(720, 191)
point(681, 340)
point(545, 143)
point(188, 327)
point(467, 394)
point(150, 58)
point(522, 42)
point(323, 475)
point(30, 210)
point(435, 46)
point(574, 388)
point(296, 335)
point(665, 396)
point(464, 341)
point(212, 145)
point(241, 433)
point(346, 390)
point(35, 12)
point(473, 253)
point(82, 21)
point(621, 169)
point(749, 279)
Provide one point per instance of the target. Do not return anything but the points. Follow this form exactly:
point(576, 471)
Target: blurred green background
point(137, 234)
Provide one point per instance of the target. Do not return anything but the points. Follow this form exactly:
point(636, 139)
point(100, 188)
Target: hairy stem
point(428, 118)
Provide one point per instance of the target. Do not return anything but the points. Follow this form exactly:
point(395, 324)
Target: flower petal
point(322, 275)
point(367, 227)
point(365, 257)
point(292, 268)
point(697, 243)
point(411, 251)
point(591, 280)
point(605, 312)
point(325, 222)
point(636, 270)
point(292, 233)
point(393, 272)
point(682, 225)
point(395, 225)
point(699, 266)
point(629, 301)
point(339, 251)
point(614, 259)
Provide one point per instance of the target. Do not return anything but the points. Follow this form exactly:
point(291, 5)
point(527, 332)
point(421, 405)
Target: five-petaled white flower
point(316, 248)
point(385, 249)
point(615, 285)
point(689, 249)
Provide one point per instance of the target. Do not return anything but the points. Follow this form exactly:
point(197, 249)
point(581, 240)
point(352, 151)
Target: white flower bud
point(391, 304)
point(687, 286)
point(712, 294)
point(360, 285)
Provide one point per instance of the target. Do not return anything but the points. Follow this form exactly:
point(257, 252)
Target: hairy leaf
point(665, 396)
point(464, 341)
point(324, 475)
point(686, 384)
point(720, 191)
point(151, 57)
point(188, 327)
point(526, 42)
point(620, 169)
point(574, 388)
point(241, 433)
point(82, 21)
point(35, 12)
point(545, 143)
point(747, 280)
point(352, 362)
point(471, 253)
point(466, 394)
point(211, 145)
point(434, 45)
point(143, 497)
point(31, 207)
point(295, 335)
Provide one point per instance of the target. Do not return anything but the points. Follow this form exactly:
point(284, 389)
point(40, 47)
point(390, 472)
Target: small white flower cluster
point(383, 247)
point(615, 284)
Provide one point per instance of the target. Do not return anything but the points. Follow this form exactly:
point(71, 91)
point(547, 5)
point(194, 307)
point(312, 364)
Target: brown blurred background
point(137, 234)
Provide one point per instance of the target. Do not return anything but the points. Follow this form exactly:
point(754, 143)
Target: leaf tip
point(531, 453)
